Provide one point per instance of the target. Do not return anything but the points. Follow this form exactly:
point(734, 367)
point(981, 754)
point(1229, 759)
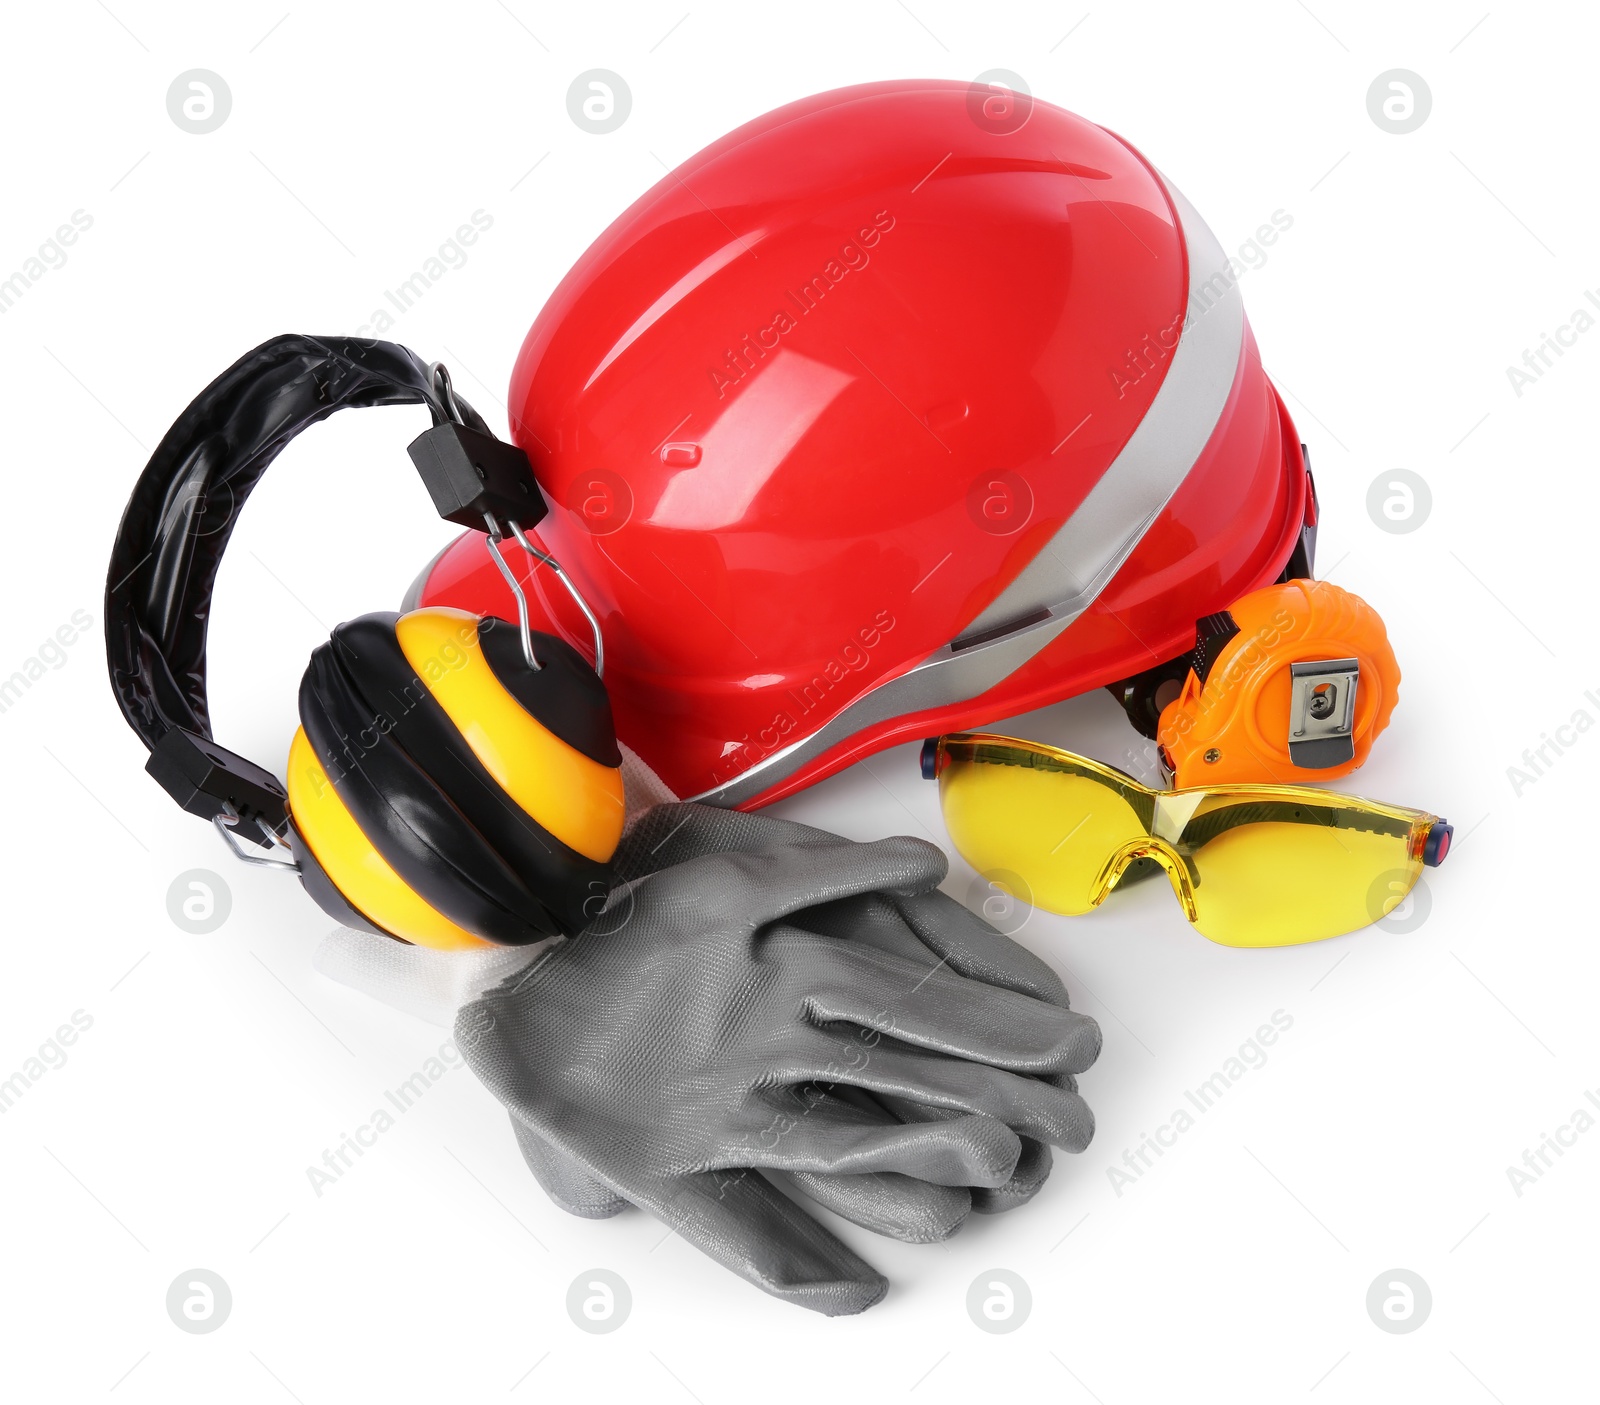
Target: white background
point(1419, 1066)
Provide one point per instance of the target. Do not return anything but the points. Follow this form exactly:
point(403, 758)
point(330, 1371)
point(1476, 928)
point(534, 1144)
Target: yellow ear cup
point(573, 796)
point(357, 869)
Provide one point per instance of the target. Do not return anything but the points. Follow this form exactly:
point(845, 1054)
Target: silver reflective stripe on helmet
point(1075, 565)
point(1080, 560)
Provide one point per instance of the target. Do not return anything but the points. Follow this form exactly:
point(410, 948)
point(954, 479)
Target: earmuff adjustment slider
point(470, 475)
point(209, 780)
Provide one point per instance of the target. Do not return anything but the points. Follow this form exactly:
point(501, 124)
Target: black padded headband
point(178, 521)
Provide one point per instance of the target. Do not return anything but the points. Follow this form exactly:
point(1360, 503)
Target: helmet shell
point(879, 418)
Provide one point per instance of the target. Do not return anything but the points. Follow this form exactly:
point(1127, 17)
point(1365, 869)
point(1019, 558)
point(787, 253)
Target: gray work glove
point(898, 1206)
point(698, 1034)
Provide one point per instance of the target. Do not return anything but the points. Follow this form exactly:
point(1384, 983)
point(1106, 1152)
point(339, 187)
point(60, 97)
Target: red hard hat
point(886, 416)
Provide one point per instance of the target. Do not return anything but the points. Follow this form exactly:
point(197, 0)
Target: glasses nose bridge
point(1148, 847)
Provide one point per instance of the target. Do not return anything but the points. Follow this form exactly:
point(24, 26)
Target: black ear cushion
point(565, 695)
point(408, 819)
point(559, 876)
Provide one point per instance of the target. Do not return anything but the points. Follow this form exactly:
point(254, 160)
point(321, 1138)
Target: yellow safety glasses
point(1253, 865)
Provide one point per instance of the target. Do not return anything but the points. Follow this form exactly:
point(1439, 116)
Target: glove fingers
point(1031, 1107)
point(781, 1134)
point(915, 925)
point(887, 1203)
point(895, 1206)
point(972, 948)
point(935, 1009)
point(565, 1180)
point(1033, 1170)
point(903, 1207)
point(1033, 1166)
point(873, 919)
point(745, 1224)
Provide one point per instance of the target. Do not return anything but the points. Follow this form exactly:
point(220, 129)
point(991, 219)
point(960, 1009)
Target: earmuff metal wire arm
point(439, 377)
point(227, 819)
point(496, 536)
point(473, 476)
point(545, 559)
point(493, 541)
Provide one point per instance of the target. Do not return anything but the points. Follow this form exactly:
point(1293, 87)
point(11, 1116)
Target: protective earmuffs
point(455, 780)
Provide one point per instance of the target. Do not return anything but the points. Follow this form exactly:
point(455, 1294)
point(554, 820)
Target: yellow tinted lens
point(1277, 871)
point(1036, 822)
